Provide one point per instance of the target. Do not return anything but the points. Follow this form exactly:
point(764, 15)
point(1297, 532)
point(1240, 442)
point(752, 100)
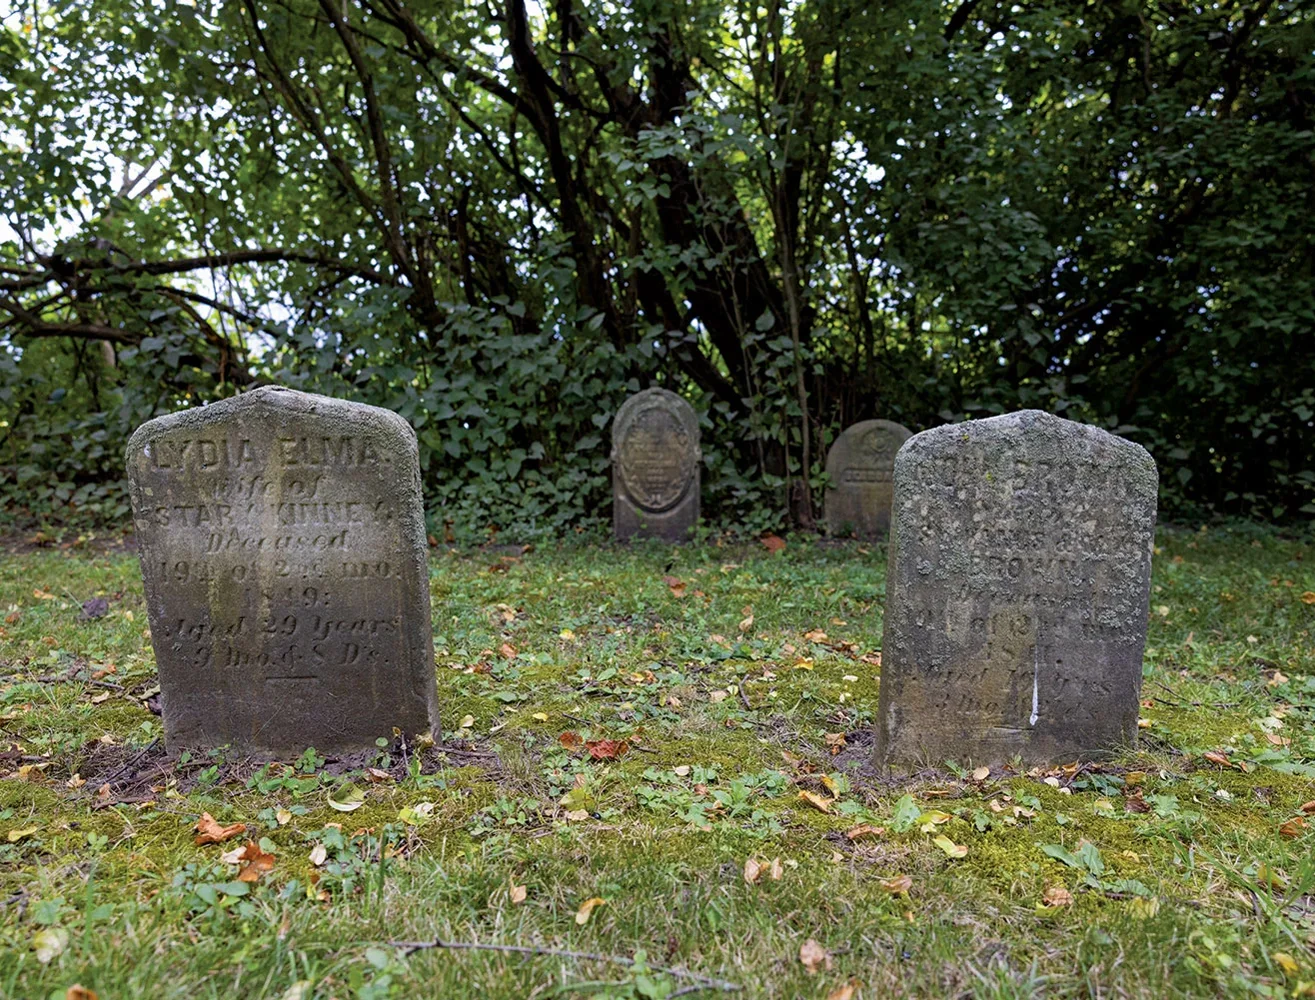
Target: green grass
point(1188, 887)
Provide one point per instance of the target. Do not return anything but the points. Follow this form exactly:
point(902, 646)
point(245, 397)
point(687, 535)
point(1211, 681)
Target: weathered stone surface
point(1018, 587)
point(861, 463)
point(656, 461)
point(283, 550)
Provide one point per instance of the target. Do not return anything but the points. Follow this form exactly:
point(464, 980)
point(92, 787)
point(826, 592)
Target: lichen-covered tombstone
point(656, 461)
point(861, 464)
point(1017, 593)
point(283, 550)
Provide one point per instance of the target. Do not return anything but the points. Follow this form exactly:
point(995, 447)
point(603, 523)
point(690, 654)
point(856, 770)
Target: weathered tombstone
point(283, 549)
point(655, 467)
point(860, 464)
point(1018, 589)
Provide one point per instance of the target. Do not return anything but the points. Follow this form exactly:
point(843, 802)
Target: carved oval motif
point(656, 457)
point(881, 443)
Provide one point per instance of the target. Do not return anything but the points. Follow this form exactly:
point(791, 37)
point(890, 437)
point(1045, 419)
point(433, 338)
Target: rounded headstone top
point(875, 441)
point(655, 448)
point(1028, 429)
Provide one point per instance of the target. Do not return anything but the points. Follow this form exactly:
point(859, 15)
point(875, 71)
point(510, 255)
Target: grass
point(739, 681)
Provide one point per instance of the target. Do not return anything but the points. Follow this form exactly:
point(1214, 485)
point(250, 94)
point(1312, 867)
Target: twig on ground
point(744, 698)
point(1193, 704)
point(123, 770)
point(703, 982)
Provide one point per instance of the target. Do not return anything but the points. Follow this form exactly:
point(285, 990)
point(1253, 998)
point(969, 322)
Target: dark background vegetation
point(499, 220)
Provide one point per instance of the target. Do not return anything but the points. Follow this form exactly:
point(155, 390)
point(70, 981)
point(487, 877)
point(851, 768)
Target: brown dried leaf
point(255, 863)
point(835, 742)
point(1218, 757)
point(864, 830)
point(571, 740)
point(1057, 895)
point(776, 871)
point(517, 892)
point(753, 870)
point(507, 650)
point(79, 992)
point(606, 749)
point(772, 543)
point(845, 991)
point(208, 831)
point(814, 957)
point(1308, 808)
point(588, 907)
point(1294, 827)
point(377, 775)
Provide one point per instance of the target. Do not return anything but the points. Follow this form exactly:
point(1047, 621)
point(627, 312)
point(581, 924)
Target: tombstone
point(282, 545)
point(1017, 593)
point(655, 467)
point(860, 464)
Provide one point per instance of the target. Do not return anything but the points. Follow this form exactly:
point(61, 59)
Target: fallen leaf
point(772, 543)
point(835, 742)
point(843, 992)
point(77, 781)
point(376, 775)
point(752, 870)
point(255, 863)
point(676, 586)
point(517, 893)
point(816, 801)
point(746, 623)
point(540, 716)
point(1216, 757)
point(588, 907)
point(950, 847)
point(577, 815)
point(717, 697)
point(1294, 827)
point(466, 722)
point(507, 650)
point(776, 871)
point(1057, 895)
point(814, 957)
point(864, 830)
point(79, 992)
point(1308, 807)
point(16, 835)
point(208, 831)
point(346, 798)
point(681, 770)
point(571, 740)
point(896, 884)
point(283, 817)
point(816, 635)
point(981, 774)
point(49, 943)
point(233, 857)
point(318, 855)
point(1308, 597)
point(1285, 961)
point(606, 749)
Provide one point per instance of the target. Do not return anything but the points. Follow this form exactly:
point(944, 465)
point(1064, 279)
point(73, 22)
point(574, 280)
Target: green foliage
point(499, 223)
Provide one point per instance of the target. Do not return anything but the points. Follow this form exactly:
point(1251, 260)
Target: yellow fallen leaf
point(283, 816)
point(1286, 962)
point(814, 957)
point(466, 722)
point(816, 801)
point(49, 943)
point(950, 847)
point(540, 716)
point(896, 884)
point(588, 907)
point(16, 835)
point(1308, 597)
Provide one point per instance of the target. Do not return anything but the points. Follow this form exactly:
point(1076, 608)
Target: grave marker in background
point(861, 463)
point(655, 467)
point(1018, 589)
point(283, 550)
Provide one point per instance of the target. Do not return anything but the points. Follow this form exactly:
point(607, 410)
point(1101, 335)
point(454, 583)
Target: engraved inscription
point(655, 466)
point(1019, 583)
point(283, 552)
point(861, 464)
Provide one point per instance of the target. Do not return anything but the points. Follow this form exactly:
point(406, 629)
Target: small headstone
point(1018, 589)
point(861, 463)
point(655, 467)
point(283, 549)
